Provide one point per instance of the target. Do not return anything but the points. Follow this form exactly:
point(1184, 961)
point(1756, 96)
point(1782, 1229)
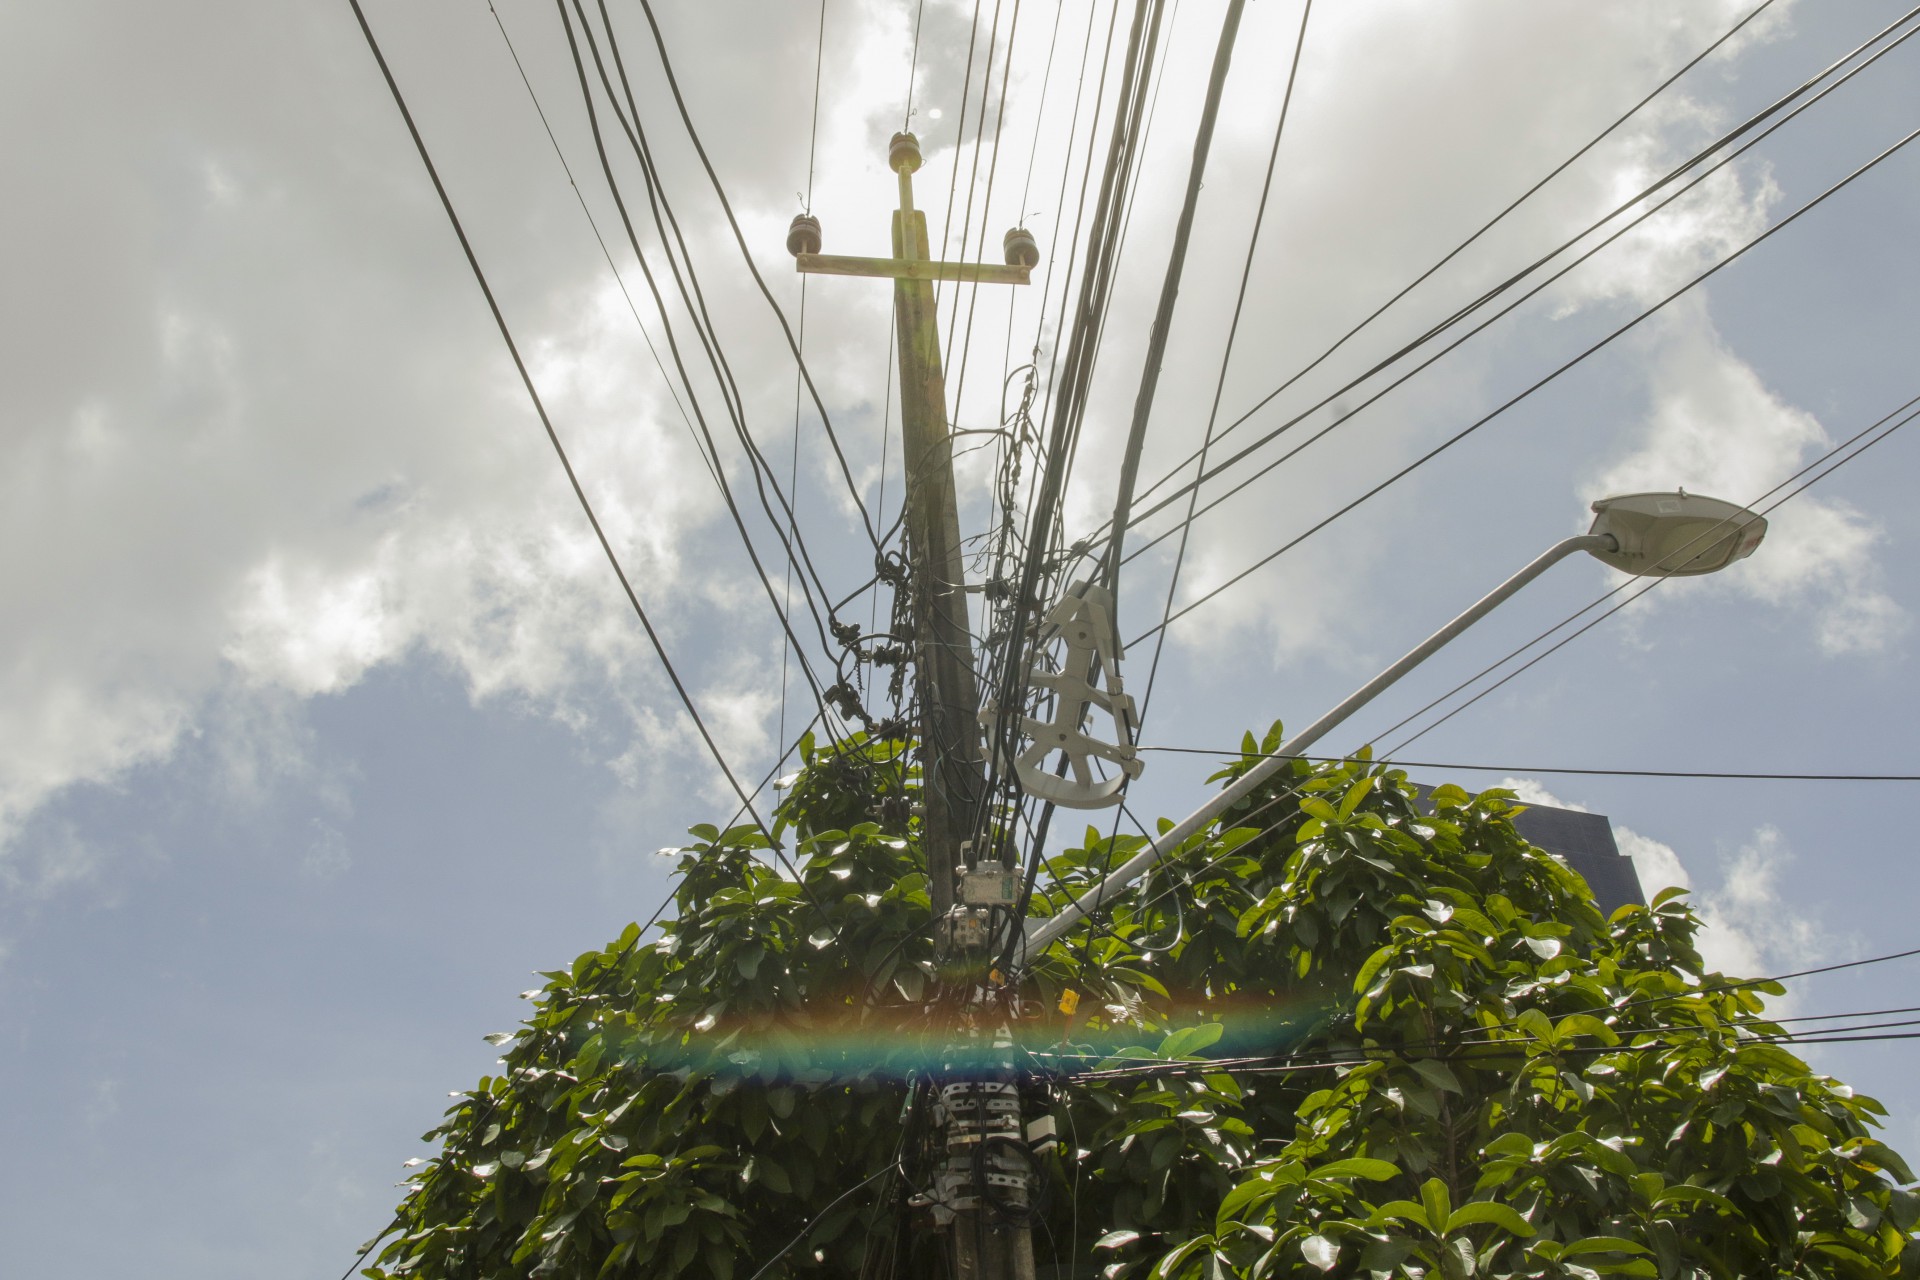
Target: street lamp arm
point(1044, 931)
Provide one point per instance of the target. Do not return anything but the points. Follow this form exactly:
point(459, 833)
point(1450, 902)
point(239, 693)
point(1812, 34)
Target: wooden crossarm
point(833, 264)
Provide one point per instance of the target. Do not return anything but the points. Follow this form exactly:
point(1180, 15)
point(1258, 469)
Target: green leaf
point(1438, 1204)
point(1358, 1167)
point(1602, 1244)
point(1485, 1211)
point(1116, 1239)
point(1401, 1211)
point(1583, 1024)
point(1189, 1041)
point(1351, 801)
point(1320, 1252)
point(1173, 1261)
point(1535, 1023)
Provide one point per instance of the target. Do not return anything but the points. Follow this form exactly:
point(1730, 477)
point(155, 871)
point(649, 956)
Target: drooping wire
point(739, 237)
point(793, 465)
point(1170, 292)
point(760, 468)
point(553, 436)
point(993, 167)
point(1474, 426)
point(1490, 295)
point(1070, 390)
point(960, 133)
point(605, 252)
point(815, 1219)
point(1838, 458)
point(913, 65)
point(1483, 1037)
point(1226, 355)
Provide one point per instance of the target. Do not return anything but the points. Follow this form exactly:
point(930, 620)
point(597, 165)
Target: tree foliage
point(1347, 1030)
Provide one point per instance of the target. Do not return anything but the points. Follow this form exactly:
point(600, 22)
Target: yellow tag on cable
point(1069, 1001)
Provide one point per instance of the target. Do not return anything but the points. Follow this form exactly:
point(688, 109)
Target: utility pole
point(980, 1107)
point(952, 782)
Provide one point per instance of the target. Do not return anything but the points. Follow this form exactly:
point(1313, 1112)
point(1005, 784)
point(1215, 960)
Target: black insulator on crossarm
point(1021, 249)
point(903, 153)
point(803, 234)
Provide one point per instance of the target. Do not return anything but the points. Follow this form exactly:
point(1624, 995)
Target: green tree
point(1341, 1032)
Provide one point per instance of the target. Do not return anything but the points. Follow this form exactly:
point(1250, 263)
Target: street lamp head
point(1674, 535)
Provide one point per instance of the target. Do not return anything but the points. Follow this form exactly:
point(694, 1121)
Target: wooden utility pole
point(950, 759)
point(952, 779)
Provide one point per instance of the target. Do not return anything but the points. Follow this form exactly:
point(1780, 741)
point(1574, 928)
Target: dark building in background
point(1584, 841)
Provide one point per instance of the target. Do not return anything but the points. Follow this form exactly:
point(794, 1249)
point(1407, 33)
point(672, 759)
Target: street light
point(1646, 534)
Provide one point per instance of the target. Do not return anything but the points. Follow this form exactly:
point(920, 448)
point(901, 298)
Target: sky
point(324, 723)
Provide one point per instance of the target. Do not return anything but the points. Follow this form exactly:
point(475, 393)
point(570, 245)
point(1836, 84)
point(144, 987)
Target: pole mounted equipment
point(1083, 623)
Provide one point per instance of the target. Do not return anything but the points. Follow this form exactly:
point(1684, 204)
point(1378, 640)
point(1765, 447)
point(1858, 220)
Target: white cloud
point(286, 449)
point(1714, 427)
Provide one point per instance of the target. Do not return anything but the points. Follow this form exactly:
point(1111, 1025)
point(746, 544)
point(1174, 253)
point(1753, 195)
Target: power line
point(1297, 1061)
point(605, 252)
point(1463, 313)
point(553, 437)
point(986, 205)
point(1170, 289)
point(1474, 426)
point(793, 461)
point(1626, 205)
point(1070, 390)
point(656, 199)
point(1226, 354)
point(693, 136)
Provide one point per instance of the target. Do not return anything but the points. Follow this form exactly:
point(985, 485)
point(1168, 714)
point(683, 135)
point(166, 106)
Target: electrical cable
point(1170, 292)
point(1226, 357)
point(693, 136)
point(1836, 457)
point(913, 65)
point(1474, 426)
point(696, 309)
point(960, 132)
point(993, 168)
point(673, 346)
point(1645, 194)
point(605, 252)
point(1479, 1039)
point(814, 1221)
point(793, 466)
point(553, 437)
point(1831, 454)
point(1070, 391)
point(693, 296)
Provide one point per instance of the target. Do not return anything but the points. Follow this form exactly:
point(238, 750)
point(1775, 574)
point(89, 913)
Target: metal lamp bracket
point(1083, 622)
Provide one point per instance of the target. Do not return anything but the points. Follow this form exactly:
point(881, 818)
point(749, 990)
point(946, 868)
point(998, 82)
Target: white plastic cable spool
point(1083, 622)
